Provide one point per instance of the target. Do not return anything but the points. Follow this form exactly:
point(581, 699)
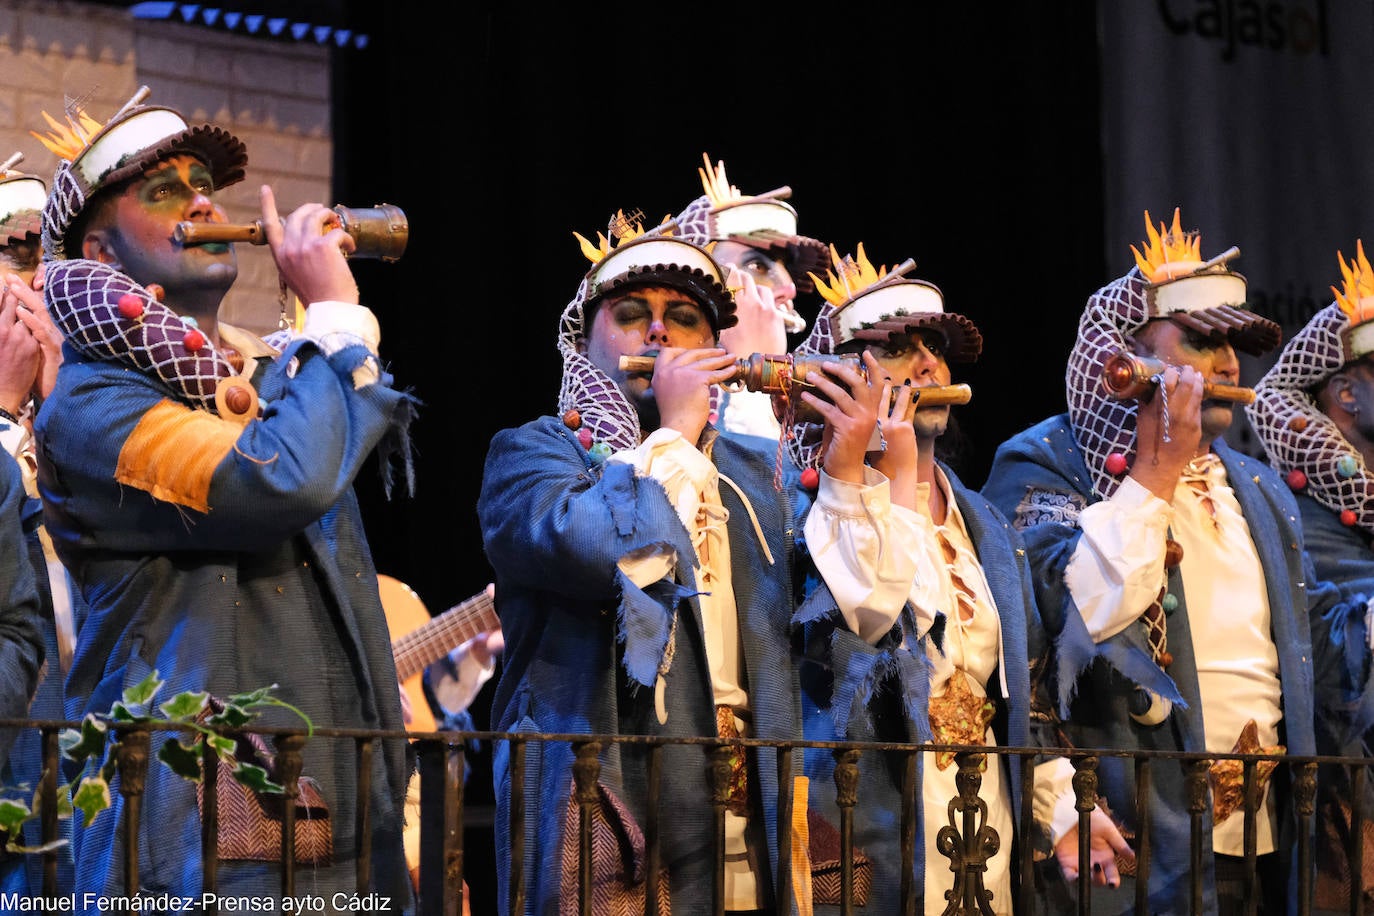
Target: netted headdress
point(94, 157)
point(671, 255)
point(1300, 440)
point(21, 203)
point(1170, 280)
point(880, 306)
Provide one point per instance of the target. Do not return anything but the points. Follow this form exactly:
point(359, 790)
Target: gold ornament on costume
point(1168, 246)
point(1227, 777)
point(622, 229)
point(850, 276)
point(959, 717)
point(1357, 298)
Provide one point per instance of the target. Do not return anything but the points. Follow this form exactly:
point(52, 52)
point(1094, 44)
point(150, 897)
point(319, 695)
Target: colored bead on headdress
point(1299, 439)
point(1169, 280)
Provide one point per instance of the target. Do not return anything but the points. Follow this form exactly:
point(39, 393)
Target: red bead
point(1116, 463)
point(130, 306)
point(572, 419)
point(194, 340)
point(1348, 518)
point(1296, 479)
point(810, 479)
point(584, 436)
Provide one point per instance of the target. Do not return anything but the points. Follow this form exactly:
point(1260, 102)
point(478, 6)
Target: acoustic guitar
point(419, 640)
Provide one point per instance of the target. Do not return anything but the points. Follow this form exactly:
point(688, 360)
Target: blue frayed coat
point(1095, 682)
point(274, 585)
point(24, 874)
point(22, 651)
point(854, 691)
point(583, 645)
point(1344, 556)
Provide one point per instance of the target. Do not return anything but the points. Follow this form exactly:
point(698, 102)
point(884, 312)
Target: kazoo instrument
point(1127, 376)
point(785, 376)
point(379, 232)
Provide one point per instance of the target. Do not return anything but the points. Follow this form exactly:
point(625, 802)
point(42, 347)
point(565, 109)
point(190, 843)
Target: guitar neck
point(426, 644)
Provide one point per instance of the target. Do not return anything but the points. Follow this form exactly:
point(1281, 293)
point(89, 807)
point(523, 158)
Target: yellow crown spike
point(1357, 297)
point(66, 141)
point(1168, 245)
point(623, 229)
point(590, 251)
point(713, 181)
point(850, 276)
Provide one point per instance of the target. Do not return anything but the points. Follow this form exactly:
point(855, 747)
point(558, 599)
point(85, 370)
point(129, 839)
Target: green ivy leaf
point(222, 745)
point(93, 739)
point(121, 712)
point(142, 693)
point(255, 778)
point(181, 760)
point(251, 698)
point(92, 797)
point(233, 716)
point(12, 815)
point(185, 706)
point(89, 741)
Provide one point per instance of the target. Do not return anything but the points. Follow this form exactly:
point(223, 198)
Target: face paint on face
point(640, 322)
point(918, 358)
point(141, 238)
point(1214, 358)
point(766, 270)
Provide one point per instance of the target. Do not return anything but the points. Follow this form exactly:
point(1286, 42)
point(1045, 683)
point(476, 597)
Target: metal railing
point(442, 762)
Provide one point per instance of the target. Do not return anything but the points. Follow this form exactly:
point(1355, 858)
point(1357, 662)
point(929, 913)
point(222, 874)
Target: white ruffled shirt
point(872, 570)
point(1116, 572)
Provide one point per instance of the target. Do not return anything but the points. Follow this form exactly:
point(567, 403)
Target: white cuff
point(336, 325)
point(1053, 805)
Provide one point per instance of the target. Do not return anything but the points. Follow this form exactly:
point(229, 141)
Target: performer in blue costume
point(1313, 411)
point(32, 348)
point(198, 485)
point(645, 582)
point(1172, 579)
point(955, 667)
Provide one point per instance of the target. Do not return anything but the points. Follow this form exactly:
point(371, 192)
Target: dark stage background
point(962, 137)
point(965, 136)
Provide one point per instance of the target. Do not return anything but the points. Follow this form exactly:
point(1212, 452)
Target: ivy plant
point(94, 748)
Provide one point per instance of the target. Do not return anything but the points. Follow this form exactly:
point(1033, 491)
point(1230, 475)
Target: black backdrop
point(965, 136)
point(960, 136)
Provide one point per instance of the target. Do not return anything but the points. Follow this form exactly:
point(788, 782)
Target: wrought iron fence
point(441, 764)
